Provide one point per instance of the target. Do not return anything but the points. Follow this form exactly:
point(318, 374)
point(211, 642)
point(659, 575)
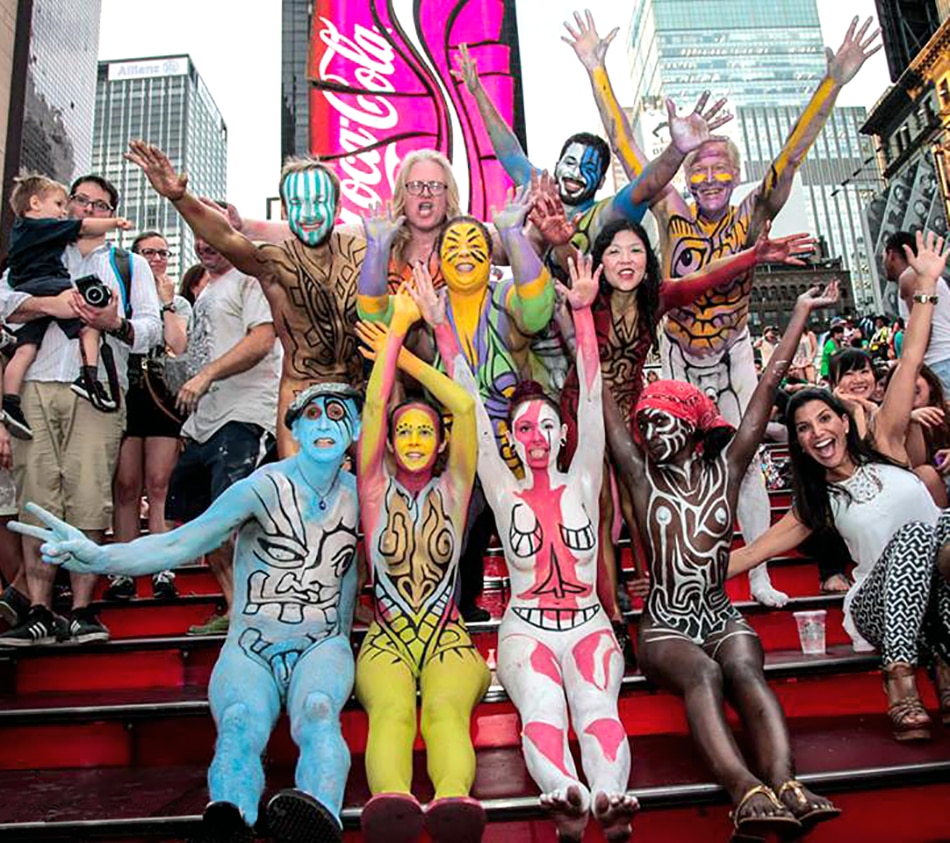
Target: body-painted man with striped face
point(309, 280)
point(557, 654)
point(706, 341)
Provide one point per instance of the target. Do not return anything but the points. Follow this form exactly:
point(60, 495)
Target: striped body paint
point(311, 199)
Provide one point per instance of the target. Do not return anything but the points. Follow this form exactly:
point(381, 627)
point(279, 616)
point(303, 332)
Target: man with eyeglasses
point(308, 280)
point(69, 464)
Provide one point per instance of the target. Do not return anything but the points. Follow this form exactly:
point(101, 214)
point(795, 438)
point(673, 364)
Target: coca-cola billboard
point(382, 88)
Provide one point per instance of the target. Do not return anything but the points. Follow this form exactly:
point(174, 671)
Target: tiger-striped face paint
point(664, 435)
point(310, 199)
point(465, 257)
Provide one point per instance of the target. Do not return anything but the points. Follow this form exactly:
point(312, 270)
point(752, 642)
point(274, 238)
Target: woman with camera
point(150, 446)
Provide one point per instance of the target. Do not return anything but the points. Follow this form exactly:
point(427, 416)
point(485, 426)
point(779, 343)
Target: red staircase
point(112, 741)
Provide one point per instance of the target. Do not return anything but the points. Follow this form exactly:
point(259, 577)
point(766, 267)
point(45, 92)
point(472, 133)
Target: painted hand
point(547, 211)
point(158, 169)
point(930, 260)
point(405, 311)
point(517, 205)
point(381, 225)
point(589, 47)
point(373, 336)
point(584, 283)
point(467, 70)
point(844, 65)
point(942, 461)
point(812, 298)
point(783, 249)
point(62, 544)
point(429, 301)
point(689, 132)
point(191, 392)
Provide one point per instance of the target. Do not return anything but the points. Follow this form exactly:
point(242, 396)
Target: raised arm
point(507, 147)
point(756, 417)
point(373, 300)
point(208, 224)
point(843, 66)
point(892, 419)
point(682, 291)
point(781, 537)
point(530, 299)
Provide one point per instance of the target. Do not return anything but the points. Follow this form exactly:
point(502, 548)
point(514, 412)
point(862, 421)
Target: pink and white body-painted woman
point(556, 649)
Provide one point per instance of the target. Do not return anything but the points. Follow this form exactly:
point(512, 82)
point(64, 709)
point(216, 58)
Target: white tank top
point(939, 346)
point(883, 499)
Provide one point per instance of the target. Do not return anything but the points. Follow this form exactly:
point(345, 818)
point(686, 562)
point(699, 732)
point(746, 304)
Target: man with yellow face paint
point(706, 342)
point(412, 522)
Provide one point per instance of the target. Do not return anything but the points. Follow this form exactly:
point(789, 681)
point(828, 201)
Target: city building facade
point(164, 101)
point(294, 86)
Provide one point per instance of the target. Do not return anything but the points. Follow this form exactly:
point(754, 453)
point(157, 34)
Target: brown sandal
point(942, 681)
point(759, 826)
point(908, 715)
point(805, 807)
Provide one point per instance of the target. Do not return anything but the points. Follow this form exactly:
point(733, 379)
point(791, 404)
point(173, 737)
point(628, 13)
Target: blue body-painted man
point(288, 644)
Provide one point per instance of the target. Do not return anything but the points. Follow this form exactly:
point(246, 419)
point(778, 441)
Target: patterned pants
point(903, 606)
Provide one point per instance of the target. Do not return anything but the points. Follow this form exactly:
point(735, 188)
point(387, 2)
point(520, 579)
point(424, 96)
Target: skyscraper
point(164, 101)
point(294, 85)
point(906, 25)
point(767, 58)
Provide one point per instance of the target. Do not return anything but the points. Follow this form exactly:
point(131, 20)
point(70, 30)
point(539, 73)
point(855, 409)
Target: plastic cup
point(811, 631)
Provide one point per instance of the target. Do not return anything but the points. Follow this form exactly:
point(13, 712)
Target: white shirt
point(938, 349)
point(58, 358)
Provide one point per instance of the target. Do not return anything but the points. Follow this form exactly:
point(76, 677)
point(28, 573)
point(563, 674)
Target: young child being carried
point(40, 234)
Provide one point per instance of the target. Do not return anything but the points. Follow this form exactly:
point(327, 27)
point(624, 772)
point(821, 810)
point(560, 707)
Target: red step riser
point(146, 742)
point(188, 581)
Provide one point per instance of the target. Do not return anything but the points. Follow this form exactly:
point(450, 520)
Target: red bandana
point(683, 401)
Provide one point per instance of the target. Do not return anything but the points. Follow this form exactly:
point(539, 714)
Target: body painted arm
point(530, 300)
point(780, 538)
point(756, 416)
point(65, 545)
point(680, 292)
point(373, 301)
point(507, 147)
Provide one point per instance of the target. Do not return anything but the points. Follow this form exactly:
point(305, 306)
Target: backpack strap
point(121, 262)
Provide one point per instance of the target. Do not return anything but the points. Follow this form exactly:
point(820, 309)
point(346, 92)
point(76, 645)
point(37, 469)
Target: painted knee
point(395, 714)
point(744, 672)
point(440, 713)
point(318, 710)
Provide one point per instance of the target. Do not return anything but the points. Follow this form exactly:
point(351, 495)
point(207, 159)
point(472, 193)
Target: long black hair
point(648, 293)
point(809, 478)
point(848, 360)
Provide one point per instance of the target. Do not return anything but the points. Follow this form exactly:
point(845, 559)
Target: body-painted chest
point(715, 318)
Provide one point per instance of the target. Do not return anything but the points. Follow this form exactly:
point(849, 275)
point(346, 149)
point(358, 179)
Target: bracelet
point(924, 298)
point(124, 332)
point(169, 307)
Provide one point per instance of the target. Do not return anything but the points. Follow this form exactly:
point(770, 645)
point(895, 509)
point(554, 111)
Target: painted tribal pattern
point(415, 562)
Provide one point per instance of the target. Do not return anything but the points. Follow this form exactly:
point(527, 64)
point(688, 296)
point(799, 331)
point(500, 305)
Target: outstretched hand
point(584, 282)
point(373, 336)
point(787, 249)
point(405, 311)
point(844, 65)
point(689, 132)
point(931, 258)
point(466, 69)
point(589, 47)
point(547, 213)
point(381, 224)
point(429, 301)
point(814, 297)
point(158, 169)
point(517, 205)
point(62, 544)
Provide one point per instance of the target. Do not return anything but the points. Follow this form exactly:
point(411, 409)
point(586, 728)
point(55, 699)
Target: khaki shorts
point(8, 505)
point(69, 464)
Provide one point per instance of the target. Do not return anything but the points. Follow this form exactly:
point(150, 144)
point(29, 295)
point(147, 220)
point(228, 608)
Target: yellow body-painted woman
point(412, 523)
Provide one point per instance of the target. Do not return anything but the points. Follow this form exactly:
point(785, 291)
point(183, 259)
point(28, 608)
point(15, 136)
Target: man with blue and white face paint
point(288, 644)
point(309, 280)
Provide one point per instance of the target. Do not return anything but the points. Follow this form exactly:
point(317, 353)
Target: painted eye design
point(335, 411)
point(282, 553)
point(313, 412)
point(689, 255)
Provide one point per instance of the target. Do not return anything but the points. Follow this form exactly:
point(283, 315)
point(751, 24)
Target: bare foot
point(614, 814)
point(762, 591)
point(568, 811)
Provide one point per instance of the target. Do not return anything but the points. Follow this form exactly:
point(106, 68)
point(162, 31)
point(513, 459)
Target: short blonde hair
point(28, 185)
point(731, 150)
point(302, 163)
point(399, 192)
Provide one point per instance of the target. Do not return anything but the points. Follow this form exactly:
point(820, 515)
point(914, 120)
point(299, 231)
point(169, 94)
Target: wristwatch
point(924, 298)
point(169, 307)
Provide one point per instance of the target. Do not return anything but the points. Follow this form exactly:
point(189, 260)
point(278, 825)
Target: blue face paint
point(325, 429)
point(578, 174)
point(310, 199)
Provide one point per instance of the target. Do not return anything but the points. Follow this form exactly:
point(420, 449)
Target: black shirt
point(36, 248)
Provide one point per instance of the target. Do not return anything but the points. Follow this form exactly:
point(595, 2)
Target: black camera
point(94, 291)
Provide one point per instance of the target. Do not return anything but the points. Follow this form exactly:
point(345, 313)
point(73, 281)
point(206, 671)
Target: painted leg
point(531, 675)
point(245, 704)
point(753, 511)
point(592, 677)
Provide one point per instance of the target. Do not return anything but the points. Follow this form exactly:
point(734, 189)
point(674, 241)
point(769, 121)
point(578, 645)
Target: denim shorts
point(205, 469)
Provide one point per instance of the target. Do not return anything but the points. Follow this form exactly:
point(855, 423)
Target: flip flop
point(455, 819)
point(806, 812)
point(758, 825)
point(391, 818)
